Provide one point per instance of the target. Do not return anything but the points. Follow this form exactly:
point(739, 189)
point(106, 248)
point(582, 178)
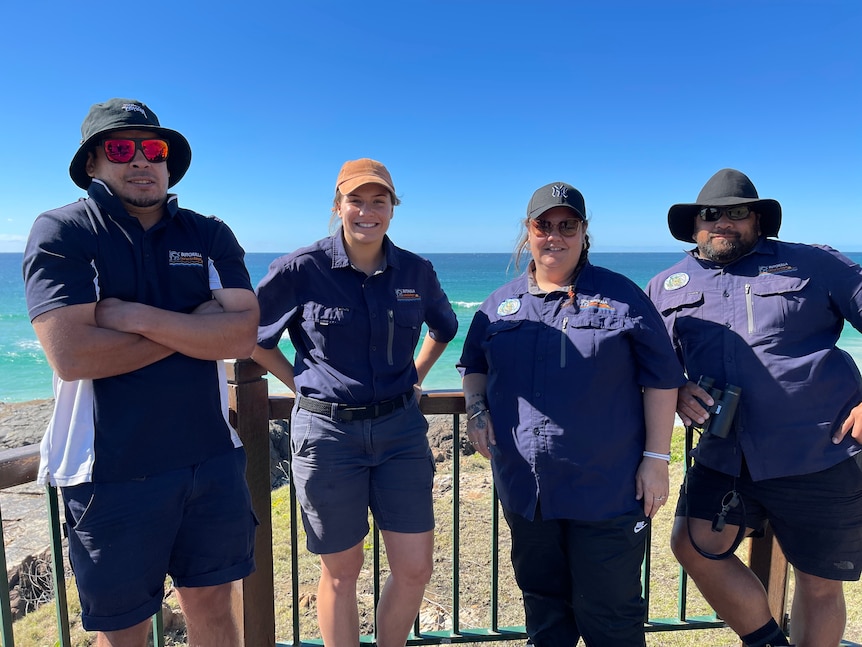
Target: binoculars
point(722, 411)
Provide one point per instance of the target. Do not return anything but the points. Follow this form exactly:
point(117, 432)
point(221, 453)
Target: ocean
point(467, 279)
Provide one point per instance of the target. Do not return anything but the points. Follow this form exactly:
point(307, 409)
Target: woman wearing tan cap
point(354, 305)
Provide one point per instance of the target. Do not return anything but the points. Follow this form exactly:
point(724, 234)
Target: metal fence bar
point(8, 640)
point(58, 569)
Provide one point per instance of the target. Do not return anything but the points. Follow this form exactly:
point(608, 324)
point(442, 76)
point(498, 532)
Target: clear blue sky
point(471, 105)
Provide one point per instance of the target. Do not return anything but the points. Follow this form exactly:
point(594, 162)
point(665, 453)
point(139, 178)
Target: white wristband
point(664, 457)
point(478, 413)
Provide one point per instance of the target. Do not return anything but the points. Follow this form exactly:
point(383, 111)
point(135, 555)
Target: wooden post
point(767, 560)
point(249, 405)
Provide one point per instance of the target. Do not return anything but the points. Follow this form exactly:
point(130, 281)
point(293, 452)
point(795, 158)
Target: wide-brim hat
point(355, 173)
point(726, 188)
point(127, 114)
point(556, 194)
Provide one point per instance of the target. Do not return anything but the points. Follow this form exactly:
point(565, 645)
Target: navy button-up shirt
point(565, 377)
point(769, 323)
point(354, 334)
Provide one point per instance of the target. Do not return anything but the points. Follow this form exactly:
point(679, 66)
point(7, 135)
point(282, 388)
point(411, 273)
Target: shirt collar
point(341, 260)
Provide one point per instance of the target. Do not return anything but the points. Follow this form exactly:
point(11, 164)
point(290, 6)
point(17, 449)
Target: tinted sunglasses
point(121, 151)
point(567, 228)
point(712, 214)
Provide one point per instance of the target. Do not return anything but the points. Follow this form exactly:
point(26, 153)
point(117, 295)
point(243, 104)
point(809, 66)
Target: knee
point(680, 544)
point(414, 573)
point(817, 588)
point(206, 601)
point(343, 570)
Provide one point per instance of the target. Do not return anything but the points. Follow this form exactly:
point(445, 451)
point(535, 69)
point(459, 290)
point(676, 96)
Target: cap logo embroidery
point(560, 191)
point(133, 107)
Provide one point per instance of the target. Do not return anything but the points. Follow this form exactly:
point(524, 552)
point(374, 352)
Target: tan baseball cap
point(355, 173)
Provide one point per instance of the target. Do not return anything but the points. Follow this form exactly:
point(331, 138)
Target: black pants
point(581, 579)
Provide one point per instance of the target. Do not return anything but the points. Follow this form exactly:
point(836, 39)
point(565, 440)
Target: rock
point(23, 423)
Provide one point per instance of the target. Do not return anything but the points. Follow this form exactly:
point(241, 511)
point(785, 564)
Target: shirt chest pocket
point(683, 313)
point(329, 329)
point(586, 335)
point(405, 324)
point(772, 303)
point(506, 344)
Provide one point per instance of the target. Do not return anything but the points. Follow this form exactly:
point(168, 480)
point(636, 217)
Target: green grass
point(39, 629)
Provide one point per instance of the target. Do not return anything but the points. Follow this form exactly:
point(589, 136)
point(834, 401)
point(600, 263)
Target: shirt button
point(727, 325)
point(374, 348)
point(535, 432)
point(726, 294)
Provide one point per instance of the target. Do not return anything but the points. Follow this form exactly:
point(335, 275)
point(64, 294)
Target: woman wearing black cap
point(570, 383)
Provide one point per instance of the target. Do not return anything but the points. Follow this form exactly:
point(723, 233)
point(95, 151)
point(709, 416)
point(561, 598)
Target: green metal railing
point(251, 410)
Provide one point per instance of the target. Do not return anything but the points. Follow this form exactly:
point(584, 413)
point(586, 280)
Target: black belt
point(349, 413)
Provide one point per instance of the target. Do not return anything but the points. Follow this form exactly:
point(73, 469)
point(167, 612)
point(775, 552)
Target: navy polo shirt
point(171, 413)
point(354, 334)
point(769, 323)
point(565, 378)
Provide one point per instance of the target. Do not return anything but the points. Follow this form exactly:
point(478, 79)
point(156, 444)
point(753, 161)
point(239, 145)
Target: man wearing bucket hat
point(136, 301)
point(764, 316)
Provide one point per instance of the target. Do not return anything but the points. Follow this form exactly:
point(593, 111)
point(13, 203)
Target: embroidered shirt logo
point(596, 304)
point(777, 268)
point(508, 307)
point(133, 107)
point(407, 294)
point(185, 259)
point(676, 281)
point(640, 525)
point(560, 191)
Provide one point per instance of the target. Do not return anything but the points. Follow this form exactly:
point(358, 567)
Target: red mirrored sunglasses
point(121, 151)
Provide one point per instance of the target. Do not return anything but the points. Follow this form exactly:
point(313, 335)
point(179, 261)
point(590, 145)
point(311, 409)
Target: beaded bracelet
point(664, 457)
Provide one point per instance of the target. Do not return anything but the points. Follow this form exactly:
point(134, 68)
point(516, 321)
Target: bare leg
point(132, 637)
point(730, 587)
point(818, 614)
point(209, 615)
point(410, 558)
point(337, 611)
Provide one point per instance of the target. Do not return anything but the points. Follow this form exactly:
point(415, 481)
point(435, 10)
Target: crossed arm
point(112, 337)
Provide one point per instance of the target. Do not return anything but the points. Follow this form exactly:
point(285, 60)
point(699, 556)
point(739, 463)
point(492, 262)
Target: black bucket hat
point(726, 188)
point(127, 114)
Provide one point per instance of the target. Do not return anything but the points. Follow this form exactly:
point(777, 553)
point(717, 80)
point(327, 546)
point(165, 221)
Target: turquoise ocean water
point(466, 278)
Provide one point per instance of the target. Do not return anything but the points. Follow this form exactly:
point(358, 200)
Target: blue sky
point(471, 105)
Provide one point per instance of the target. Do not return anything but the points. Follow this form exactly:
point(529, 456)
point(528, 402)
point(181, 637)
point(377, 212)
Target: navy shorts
point(816, 518)
point(341, 469)
point(194, 524)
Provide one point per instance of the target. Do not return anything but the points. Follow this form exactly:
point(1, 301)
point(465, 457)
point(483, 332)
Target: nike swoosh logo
point(640, 525)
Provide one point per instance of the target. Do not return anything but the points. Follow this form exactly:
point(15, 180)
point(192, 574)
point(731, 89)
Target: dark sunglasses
point(712, 214)
point(567, 228)
point(121, 151)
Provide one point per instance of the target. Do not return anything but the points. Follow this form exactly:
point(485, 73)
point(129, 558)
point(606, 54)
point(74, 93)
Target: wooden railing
point(251, 409)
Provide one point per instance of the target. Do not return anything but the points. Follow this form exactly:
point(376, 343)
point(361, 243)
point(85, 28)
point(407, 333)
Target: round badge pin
point(676, 281)
point(508, 307)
